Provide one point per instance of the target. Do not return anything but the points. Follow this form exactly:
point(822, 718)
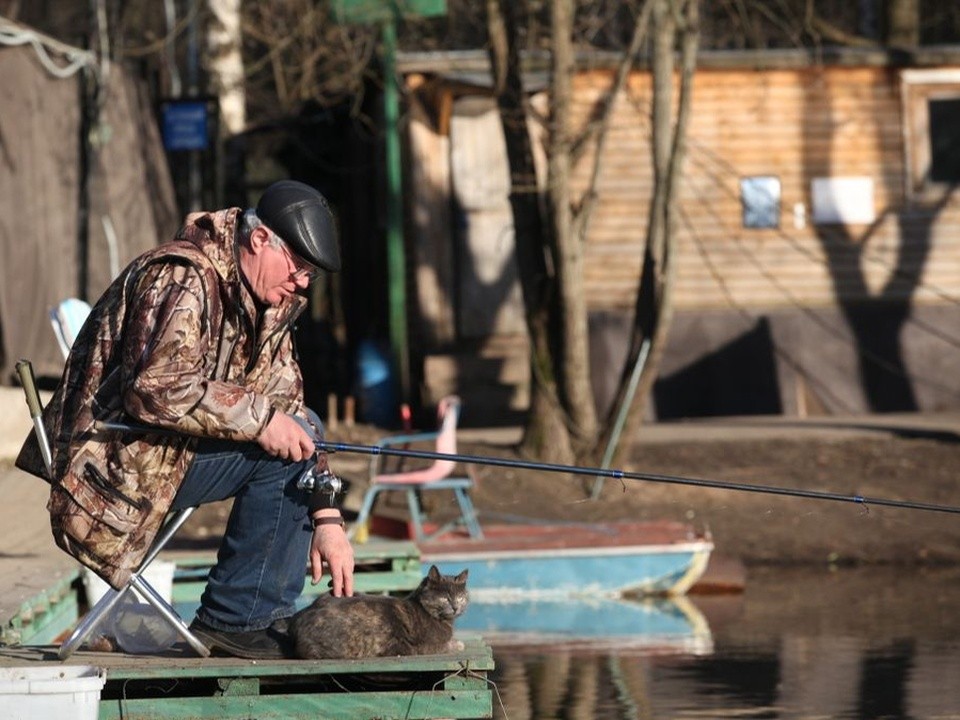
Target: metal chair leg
point(90, 621)
point(147, 592)
point(469, 514)
point(416, 514)
point(111, 597)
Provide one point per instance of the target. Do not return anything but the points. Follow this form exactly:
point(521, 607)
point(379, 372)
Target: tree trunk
point(654, 307)
point(224, 45)
point(546, 432)
point(575, 387)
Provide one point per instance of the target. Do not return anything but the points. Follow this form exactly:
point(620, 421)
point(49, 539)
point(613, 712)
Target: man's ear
point(259, 239)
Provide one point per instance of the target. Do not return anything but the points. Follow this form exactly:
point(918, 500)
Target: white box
point(51, 691)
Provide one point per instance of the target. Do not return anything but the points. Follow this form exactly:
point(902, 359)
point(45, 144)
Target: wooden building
point(819, 267)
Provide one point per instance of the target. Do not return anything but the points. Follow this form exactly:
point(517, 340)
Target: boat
point(573, 559)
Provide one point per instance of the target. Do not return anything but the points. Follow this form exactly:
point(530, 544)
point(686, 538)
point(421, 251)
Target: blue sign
point(185, 125)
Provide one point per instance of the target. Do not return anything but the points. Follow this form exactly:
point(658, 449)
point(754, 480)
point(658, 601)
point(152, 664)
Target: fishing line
point(864, 501)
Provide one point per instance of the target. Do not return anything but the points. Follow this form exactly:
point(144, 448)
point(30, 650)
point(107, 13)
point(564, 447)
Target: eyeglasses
point(303, 269)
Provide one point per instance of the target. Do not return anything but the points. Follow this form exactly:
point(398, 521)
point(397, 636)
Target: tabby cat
point(376, 626)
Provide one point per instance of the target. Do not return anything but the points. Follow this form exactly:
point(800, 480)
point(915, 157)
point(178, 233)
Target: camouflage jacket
point(178, 342)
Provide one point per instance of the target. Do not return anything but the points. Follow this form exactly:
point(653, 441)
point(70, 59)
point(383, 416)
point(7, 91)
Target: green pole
point(395, 250)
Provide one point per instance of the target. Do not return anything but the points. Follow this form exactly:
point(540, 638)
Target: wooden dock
point(177, 684)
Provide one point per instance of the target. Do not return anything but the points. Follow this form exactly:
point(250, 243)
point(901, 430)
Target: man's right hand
point(285, 438)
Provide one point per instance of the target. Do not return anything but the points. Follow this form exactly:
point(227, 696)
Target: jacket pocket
point(92, 490)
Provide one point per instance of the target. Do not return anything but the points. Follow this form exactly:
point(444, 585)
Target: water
point(798, 643)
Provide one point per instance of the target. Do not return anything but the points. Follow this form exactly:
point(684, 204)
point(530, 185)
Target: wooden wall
point(796, 124)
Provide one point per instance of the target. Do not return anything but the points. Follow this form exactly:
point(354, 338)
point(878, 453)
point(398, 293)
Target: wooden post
point(332, 421)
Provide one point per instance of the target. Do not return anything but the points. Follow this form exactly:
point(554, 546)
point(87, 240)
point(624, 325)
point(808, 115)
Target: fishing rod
point(595, 472)
point(334, 447)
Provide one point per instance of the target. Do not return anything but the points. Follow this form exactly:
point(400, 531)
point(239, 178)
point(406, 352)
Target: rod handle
point(27, 379)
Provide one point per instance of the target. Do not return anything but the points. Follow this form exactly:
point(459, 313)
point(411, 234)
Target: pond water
point(797, 643)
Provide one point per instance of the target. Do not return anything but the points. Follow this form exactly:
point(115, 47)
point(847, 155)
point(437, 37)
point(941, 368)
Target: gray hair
point(250, 221)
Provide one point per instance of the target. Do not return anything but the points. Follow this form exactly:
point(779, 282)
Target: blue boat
point(570, 560)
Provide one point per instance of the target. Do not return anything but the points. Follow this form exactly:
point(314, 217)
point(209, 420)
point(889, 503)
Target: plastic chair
point(435, 477)
point(99, 612)
point(67, 318)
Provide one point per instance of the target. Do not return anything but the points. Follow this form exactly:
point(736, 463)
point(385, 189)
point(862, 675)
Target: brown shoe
point(266, 644)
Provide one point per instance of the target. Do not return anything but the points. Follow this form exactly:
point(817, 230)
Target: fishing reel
point(323, 481)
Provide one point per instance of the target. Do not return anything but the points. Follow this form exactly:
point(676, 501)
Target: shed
point(819, 271)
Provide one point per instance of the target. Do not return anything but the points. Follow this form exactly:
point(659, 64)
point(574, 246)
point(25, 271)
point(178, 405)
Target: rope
point(15, 35)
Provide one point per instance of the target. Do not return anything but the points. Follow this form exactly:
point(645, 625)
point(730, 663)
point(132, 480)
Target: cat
point(379, 625)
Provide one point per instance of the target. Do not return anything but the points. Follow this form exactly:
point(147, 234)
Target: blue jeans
point(261, 565)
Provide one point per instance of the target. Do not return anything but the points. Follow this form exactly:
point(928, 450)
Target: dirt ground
point(756, 528)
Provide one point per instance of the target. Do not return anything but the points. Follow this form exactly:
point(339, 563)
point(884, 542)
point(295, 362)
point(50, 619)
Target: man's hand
point(330, 543)
point(285, 438)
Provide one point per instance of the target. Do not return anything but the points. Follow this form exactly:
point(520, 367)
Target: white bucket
point(159, 574)
point(51, 691)
point(136, 626)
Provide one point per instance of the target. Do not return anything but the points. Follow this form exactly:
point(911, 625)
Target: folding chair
point(67, 318)
point(137, 582)
point(434, 477)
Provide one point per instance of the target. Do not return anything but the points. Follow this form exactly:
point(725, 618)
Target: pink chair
point(434, 477)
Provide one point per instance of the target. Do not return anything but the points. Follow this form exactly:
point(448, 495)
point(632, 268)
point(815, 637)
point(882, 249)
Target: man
point(194, 337)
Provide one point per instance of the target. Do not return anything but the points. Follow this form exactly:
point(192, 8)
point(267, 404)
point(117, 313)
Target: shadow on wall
point(711, 367)
point(739, 378)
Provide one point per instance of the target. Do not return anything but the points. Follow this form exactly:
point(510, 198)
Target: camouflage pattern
point(177, 342)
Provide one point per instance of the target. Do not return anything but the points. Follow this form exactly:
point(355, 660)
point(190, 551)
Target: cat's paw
point(455, 646)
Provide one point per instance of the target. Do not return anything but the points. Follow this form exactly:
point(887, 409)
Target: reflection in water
point(653, 625)
point(799, 643)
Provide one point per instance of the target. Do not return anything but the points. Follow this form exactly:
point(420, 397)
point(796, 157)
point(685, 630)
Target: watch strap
point(329, 520)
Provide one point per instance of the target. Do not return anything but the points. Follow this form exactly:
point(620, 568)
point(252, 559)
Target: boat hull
point(575, 559)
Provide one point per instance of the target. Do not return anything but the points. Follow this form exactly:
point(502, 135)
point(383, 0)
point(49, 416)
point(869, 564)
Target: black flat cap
point(300, 215)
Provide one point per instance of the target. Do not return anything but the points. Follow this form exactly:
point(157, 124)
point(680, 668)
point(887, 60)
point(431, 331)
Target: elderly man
point(195, 337)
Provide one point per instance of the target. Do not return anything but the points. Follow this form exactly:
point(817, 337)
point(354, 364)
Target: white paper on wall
point(847, 200)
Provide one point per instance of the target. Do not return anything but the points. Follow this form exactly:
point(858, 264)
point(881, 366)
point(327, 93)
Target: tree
point(225, 47)
point(562, 424)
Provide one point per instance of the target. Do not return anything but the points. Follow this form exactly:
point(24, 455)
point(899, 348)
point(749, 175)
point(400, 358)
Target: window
point(760, 196)
point(945, 140)
point(931, 116)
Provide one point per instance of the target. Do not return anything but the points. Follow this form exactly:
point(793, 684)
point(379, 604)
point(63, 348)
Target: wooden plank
point(180, 662)
point(422, 705)
point(380, 567)
point(177, 684)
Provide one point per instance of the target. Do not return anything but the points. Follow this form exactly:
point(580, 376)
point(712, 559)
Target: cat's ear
point(462, 577)
point(433, 573)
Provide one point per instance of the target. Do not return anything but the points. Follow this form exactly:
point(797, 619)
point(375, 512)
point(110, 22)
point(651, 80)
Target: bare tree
point(296, 53)
point(672, 19)
point(562, 423)
point(534, 243)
